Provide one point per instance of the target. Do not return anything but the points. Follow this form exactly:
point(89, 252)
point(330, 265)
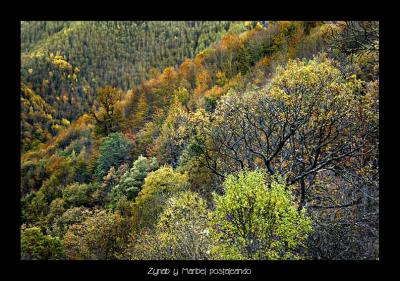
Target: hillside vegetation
point(263, 145)
point(65, 62)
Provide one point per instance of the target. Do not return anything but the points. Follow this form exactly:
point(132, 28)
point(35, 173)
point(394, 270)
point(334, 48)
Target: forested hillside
point(263, 145)
point(65, 62)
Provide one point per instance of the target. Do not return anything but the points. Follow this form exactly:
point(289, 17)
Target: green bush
point(78, 194)
point(255, 221)
point(37, 246)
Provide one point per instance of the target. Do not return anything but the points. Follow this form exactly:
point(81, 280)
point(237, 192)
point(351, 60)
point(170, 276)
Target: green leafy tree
point(78, 194)
point(37, 246)
point(102, 190)
point(57, 208)
point(183, 228)
point(183, 96)
point(173, 136)
point(71, 216)
point(131, 181)
point(257, 220)
point(182, 232)
point(114, 151)
point(99, 237)
point(157, 188)
point(34, 208)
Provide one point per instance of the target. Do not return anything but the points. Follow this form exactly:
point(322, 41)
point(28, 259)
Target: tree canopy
point(200, 140)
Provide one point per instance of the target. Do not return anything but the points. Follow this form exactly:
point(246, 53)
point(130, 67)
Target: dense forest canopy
point(200, 140)
point(65, 62)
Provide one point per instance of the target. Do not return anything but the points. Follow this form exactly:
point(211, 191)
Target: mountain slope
point(284, 107)
point(119, 53)
point(66, 62)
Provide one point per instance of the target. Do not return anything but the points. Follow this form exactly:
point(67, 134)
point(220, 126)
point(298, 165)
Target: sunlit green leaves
point(256, 218)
